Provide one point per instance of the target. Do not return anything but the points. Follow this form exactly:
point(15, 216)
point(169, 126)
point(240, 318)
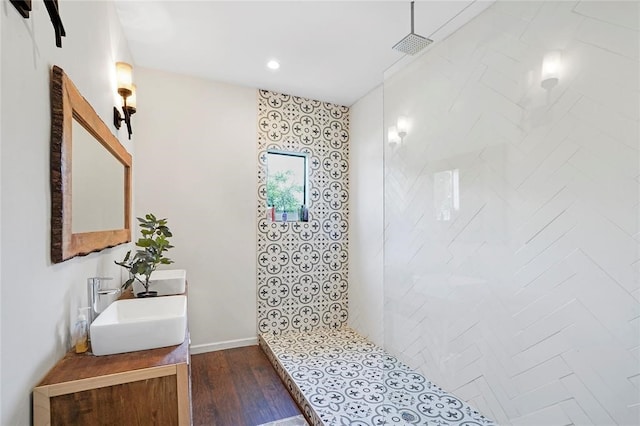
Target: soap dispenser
point(81, 332)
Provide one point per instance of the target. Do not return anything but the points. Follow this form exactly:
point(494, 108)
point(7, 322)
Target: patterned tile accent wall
point(518, 289)
point(303, 266)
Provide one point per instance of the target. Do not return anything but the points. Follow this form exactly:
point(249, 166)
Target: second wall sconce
point(397, 133)
point(126, 89)
point(551, 66)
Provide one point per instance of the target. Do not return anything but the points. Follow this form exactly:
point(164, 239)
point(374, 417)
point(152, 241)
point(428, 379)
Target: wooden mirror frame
point(68, 104)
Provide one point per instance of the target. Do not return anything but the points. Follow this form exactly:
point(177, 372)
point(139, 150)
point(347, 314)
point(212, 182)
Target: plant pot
point(147, 294)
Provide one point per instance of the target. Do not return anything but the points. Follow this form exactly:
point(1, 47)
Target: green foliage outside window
point(283, 193)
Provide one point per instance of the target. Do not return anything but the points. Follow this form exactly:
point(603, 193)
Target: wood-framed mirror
point(90, 177)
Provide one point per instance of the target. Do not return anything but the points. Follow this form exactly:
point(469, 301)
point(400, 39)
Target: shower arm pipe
point(412, 16)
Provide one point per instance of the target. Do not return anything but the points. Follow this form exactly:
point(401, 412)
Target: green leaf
point(144, 242)
point(127, 283)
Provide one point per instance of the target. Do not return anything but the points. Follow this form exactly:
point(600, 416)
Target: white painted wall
point(39, 300)
point(524, 302)
point(366, 236)
point(195, 165)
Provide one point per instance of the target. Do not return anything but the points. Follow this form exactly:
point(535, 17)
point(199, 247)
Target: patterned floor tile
point(340, 378)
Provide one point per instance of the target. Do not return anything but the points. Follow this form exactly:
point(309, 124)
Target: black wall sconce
point(126, 89)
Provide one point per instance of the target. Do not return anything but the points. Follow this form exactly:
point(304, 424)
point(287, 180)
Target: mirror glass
point(97, 185)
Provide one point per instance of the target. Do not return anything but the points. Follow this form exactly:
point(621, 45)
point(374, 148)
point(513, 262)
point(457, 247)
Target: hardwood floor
point(237, 387)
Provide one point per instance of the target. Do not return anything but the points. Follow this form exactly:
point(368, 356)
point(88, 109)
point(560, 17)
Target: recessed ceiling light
point(273, 64)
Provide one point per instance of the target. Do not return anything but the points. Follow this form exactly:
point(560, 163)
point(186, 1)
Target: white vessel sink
point(139, 324)
point(164, 281)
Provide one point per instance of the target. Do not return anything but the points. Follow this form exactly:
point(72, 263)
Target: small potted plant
point(152, 245)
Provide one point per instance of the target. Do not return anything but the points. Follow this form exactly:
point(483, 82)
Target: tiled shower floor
point(340, 378)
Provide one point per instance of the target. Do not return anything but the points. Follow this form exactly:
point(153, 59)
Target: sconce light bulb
point(551, 66)
point(126, 89)
point(392, 136)
point(402, 126)
point(132, 100)
point(124, 78)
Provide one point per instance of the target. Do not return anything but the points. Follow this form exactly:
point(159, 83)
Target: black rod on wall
point(24, 7)
point(54, 14)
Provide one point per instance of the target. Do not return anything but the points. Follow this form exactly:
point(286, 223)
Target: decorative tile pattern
point(340, 378)
point(519, 289)
point(302, 267)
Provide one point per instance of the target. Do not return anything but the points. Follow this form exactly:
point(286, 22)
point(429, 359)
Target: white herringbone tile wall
point(511, 214)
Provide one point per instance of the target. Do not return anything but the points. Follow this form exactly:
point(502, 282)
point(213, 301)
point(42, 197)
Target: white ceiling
point(333, 51)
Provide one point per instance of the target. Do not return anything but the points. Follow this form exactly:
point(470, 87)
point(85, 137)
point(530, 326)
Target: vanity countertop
point(75, 366)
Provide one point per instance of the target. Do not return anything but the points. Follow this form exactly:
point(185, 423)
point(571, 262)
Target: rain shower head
point(412, 43)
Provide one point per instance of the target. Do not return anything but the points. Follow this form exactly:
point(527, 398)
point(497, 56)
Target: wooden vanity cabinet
point(151, 387)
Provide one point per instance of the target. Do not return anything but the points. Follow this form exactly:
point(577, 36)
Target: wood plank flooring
point(237, 387)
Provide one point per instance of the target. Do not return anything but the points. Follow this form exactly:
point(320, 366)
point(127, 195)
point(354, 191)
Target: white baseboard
point(219, 346)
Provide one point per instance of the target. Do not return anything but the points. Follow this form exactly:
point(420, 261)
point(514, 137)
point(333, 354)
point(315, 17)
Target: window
point(286, 186)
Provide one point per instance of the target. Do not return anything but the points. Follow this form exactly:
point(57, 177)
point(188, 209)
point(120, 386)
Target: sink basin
point(164, 281)
point(139, 324)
